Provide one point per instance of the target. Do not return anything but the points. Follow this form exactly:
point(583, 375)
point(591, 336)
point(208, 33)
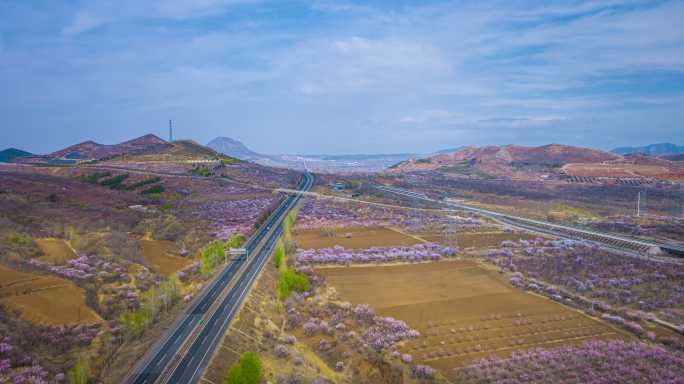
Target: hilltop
point(10, 154)
point(88, 150)
point(505, 160)
point(234, 148)
point(144, 148)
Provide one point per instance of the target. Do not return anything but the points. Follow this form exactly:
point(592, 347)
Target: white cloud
point(83, 22)
point(100, 12)
point(184, 9)
point(390, 73)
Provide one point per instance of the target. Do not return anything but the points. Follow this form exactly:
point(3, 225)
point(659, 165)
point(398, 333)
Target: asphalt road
point(182, 355)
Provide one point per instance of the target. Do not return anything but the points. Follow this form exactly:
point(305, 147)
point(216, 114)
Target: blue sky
point(341, 76)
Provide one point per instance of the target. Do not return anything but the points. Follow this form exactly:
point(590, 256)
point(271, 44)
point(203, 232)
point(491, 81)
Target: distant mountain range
point(662, 149)
point(149, 146)
point(490, 159)
point(505, 160)
point(10, 154)
point(316, 163)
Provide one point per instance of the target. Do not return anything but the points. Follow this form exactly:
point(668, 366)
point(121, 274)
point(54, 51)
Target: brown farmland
point(477, 239)
point(360, 238)
point(44, 300)
point(157, 253)
point(57, 251)
point(463, 311)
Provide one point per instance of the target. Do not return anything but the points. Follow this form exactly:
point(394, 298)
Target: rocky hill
point(234, 148)
point(91, 150)
point(506, 160)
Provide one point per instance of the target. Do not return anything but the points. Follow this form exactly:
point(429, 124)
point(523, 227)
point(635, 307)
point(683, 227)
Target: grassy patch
point(566, 211)
point(248, 370)
point(201, 171)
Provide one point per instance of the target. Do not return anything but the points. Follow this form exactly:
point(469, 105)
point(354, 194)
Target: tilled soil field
point(351, 238)
point(463, 311)
point(44, 300)
point(157, 253)
point(477, 239)
point(57, 251)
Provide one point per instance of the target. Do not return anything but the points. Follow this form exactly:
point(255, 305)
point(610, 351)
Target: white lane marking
point(231, 313)
point(162, 359)
point(250, 278)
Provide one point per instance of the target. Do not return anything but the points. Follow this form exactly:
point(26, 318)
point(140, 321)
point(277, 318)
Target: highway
point(182, 355)
point(635, 247)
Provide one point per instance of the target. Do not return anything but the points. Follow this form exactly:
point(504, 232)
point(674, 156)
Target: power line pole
point(170, 131)
point(638, 203)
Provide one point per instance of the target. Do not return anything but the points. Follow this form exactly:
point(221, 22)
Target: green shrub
point(236, 241)
point(234, 375)
point(114, 182)
point(78, 374)
point(154, 196)
point(248, 371)
point(20, 239)
point(278, 254)
point(156, 189)
point(174, 196)
point(141, 183)
point(211, 256)
point(93, 178)
point(289, 281)
point(153, 301)
point(201, 171)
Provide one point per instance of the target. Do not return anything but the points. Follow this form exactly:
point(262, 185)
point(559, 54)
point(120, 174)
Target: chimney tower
point(170, 130)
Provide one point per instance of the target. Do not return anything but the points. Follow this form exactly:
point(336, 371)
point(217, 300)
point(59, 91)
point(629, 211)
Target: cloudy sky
point(341, 76)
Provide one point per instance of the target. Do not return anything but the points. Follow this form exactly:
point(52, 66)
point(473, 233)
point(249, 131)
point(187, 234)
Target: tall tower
point(170, 130)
